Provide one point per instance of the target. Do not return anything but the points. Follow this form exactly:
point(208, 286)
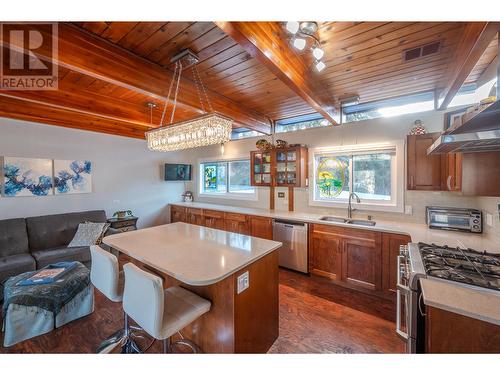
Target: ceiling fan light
point(320, 65)
point(318, 53)
point(299, 43)
point(292, 26)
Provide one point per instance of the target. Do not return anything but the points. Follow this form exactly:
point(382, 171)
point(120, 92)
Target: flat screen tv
point(177, 172)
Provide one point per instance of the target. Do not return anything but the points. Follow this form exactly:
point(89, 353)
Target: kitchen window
point(226, 179)
point(374, 173)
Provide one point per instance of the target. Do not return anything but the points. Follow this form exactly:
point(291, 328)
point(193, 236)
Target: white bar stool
point(107, 278)
point(161, 313)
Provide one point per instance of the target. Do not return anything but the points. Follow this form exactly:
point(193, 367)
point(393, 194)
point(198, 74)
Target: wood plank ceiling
point(362, 58)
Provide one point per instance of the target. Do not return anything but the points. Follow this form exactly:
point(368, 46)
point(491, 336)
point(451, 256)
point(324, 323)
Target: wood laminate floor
point(316, 316)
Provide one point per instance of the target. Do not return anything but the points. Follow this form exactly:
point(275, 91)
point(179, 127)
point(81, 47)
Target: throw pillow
point(88, 234)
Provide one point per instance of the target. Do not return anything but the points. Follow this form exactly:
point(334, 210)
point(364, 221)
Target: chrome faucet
point(349, 206)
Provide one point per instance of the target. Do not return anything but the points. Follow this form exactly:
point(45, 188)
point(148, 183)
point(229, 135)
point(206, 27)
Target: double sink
point(334, 219)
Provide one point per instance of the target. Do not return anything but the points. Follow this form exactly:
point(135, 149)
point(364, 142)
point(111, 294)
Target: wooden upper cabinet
point(177, 213)
point(261, 227)
point(194, 216)
point(481, 171)
point(452, 168)
point(280, 167)
point(236, 223)
point(390, 252)
point(424, 171)
point(261, 163)
point(214, 219)
point(291, 167)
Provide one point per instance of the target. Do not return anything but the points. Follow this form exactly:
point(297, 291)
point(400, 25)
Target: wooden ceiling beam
point(266, 42)
point(19, 109)
point(92, 56)
point(476, 38)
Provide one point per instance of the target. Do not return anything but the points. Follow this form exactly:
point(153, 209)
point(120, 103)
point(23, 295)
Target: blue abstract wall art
point(27, 177)
point(72, 176)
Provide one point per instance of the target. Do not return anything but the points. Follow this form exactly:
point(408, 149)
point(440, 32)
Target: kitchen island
point(213, 264)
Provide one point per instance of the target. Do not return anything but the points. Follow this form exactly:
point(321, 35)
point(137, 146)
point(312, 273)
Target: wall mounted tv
point(177, 172)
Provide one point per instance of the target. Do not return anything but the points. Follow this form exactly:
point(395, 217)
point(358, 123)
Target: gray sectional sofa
point(32, 243)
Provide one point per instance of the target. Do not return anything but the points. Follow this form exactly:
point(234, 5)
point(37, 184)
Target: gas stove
point(461, 265)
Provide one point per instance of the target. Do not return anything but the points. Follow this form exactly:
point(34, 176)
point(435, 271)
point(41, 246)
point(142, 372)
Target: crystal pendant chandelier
point(208, 129)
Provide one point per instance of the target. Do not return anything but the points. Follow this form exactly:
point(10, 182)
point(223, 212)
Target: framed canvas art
point(72, 176)
point(27, 177)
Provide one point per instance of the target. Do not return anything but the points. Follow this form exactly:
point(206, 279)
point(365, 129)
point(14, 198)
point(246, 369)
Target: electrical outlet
point(116, 201)
point(243, 282)
point(408, 210)
point(281, 194)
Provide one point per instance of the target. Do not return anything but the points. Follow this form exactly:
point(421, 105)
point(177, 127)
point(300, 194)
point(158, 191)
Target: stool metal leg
point(166, 346)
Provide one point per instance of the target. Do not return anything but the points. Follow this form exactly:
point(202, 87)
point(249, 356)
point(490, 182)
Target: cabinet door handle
point(448, 182)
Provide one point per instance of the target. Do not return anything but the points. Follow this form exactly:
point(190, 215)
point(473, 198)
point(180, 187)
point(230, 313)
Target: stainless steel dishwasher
point(293, 235)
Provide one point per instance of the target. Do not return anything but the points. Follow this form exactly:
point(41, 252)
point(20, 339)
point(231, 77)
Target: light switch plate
point(408, 210)
point(489, 219)
point(281, 194)
point(243, 282)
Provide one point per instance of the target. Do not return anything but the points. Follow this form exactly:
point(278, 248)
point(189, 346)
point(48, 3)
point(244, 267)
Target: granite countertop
point(462, 299)
point(192, 254)
point(417, 232)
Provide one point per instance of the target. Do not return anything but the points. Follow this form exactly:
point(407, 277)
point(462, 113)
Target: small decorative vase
point(418, 128)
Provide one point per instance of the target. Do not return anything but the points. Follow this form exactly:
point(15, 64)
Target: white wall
point(370, 131)
point(126, 175)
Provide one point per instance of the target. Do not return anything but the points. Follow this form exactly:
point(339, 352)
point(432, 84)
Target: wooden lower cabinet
point(390, 252)
point(177, 214)
point(325, 253)
point(361, 259)
point(194, 216)
point(236, 223)
point(261, 227)
point(214, 219)
point(357, 258)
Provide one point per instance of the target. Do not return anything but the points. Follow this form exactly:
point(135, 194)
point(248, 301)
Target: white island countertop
point(192, 254)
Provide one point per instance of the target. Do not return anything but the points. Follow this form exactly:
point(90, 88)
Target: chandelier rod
point(176, 92)
point(197, 77)
point(168, 96)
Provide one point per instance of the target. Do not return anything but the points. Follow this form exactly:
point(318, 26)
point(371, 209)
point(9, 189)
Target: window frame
point(223, 195)
point(396, 204)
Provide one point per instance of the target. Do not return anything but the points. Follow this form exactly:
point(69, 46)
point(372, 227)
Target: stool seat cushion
point(182, 307)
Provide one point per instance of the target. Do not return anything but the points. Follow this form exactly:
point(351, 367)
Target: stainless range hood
point(481, 133)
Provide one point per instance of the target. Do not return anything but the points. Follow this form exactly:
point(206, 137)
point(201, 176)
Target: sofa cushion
point(13, 237)
point(89, 234)
point(15, 264)
point(61, 254)
point(52, 231)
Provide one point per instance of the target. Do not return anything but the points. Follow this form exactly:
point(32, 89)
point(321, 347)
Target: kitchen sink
point(334, 219)
point(368, 223)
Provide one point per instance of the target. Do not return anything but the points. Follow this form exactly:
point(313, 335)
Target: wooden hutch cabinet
point(284, 167)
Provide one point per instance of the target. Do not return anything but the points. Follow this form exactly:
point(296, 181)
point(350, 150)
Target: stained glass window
point(332, 177)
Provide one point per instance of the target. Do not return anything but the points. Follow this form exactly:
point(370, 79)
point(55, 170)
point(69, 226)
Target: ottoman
point(33, 310)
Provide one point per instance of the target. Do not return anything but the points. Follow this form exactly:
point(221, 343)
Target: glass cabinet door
point(286, 167)
point(262, 167)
